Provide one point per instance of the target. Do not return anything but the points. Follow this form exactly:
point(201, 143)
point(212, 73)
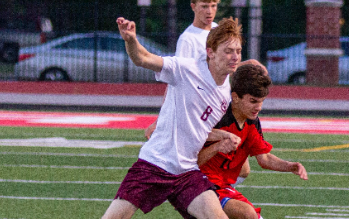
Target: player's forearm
point(206, 154)
point(216, 135)
point(271, 162)
point(141, 57)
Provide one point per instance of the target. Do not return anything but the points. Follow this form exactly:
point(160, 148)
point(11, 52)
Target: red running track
point(141, 121)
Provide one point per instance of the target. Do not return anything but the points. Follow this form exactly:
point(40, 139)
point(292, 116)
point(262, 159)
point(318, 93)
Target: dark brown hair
point(250, 79)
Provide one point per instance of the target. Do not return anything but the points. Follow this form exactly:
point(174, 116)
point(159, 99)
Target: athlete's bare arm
point(272, 162)
point(138, 54)
point(227, 142)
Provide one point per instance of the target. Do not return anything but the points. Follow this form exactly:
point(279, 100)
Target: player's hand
point(234, 140)
point(229, 143)
point(224, 146)
point(127, 28)
point(149, 131)
point(298, 169)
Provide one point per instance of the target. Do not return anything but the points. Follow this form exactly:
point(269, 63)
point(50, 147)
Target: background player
point(250, 87)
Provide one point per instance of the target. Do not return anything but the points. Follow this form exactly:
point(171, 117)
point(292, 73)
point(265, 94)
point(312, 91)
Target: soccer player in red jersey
point(249, 88)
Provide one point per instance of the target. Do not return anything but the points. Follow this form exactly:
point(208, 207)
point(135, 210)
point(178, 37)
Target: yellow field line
point(333, 147)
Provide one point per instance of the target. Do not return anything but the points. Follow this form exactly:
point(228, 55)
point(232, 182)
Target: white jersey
point(193, 106)
point(192, 43)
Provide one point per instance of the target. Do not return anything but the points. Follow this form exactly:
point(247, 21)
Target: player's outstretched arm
point(138, 54)
point(272, 162)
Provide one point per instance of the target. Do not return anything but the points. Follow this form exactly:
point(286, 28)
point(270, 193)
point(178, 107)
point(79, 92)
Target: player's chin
point(253, 116)
point(232, 70)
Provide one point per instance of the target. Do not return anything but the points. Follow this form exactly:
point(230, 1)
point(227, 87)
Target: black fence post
point(95, 55)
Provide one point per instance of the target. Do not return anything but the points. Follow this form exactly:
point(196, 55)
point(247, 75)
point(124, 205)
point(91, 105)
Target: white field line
point(135, 156)
point(302, 140)
point(294, 187)
point(59, 182)
point(70, 143)
point(304, 217)
point(118, 183)
point(337, 210)
point(56, 198)
point(125, 168)
point(309, 173)
point(69, 154)
point(66, 167)
point(327, 214)
point(300, 205)
point(109, 200)
point(312, 160)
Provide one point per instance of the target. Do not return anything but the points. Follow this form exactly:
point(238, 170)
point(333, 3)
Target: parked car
point(74, 58)
point(26, 31)
point(288, 65)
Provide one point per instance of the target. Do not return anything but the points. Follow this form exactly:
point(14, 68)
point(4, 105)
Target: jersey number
point(206, 113)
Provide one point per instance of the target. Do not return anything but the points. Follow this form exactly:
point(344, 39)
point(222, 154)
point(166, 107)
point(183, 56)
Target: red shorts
point(147, 186)
point(230, 193)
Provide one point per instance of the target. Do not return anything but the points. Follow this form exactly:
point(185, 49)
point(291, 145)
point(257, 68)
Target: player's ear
point(210, 53)
point(234, 97)
point(192, 5)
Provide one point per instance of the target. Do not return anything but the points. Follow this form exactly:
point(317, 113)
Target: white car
point(289, 65)
point(74, 58)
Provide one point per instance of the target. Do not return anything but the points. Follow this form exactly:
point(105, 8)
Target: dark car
point(26, 31)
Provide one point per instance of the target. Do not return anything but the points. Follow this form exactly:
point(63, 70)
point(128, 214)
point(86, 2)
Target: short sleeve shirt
point(223, 169)
point(193, 106)
point(192, 42)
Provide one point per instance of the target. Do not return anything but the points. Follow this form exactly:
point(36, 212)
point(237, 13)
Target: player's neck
point(239, 116)
point(197, 23)
point(218, 76)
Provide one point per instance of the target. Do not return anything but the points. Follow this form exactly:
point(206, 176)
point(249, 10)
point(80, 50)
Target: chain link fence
point(79, 41)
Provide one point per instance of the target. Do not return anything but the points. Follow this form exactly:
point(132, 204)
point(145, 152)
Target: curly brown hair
point(250, 79)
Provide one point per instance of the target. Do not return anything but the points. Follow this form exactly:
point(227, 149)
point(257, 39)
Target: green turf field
point(58, 182)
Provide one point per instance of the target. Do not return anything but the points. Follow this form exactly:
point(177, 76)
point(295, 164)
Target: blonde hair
point(227, 29)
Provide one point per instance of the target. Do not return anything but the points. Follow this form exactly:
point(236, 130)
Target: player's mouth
point(210, 19)
point(233, 65)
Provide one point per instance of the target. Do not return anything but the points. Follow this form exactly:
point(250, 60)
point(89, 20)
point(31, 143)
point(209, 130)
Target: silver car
point(288, 65)
point(85, 57)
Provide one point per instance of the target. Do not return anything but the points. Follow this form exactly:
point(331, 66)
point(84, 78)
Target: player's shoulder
point(183, 62)
point(255, 123)
point(227, 119)
point(188, 32)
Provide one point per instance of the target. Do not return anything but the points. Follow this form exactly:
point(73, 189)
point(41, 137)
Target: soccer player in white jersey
point(197, 98)
point(192, 44)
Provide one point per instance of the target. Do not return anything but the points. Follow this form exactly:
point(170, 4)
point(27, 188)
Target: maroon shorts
point(230, 193)
point(147, 186)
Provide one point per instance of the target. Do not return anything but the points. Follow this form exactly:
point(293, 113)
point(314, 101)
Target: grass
point(46, 182)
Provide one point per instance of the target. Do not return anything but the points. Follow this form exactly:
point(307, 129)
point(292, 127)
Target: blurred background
point(78, 40)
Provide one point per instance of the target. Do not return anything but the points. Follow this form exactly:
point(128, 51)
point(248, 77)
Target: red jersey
point(223, 169)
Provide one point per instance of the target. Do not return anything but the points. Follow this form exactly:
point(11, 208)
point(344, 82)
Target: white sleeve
point(170, 71)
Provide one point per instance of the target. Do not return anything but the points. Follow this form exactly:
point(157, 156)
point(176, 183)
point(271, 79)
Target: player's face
point(227, 57)
point(249, 106)
point(204, 13)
